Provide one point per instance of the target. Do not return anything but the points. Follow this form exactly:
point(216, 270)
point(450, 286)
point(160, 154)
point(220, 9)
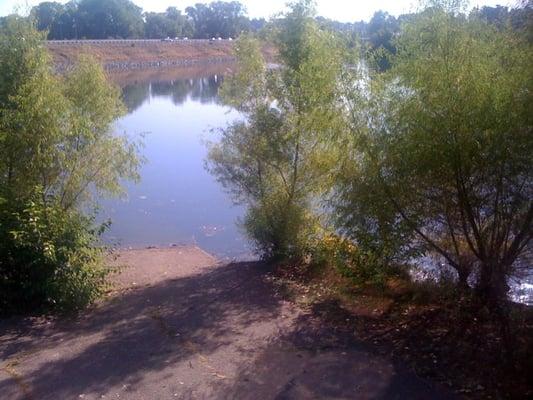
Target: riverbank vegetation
point(56, 150)
point(374, 172)
point(431, 157)
point(362, 161)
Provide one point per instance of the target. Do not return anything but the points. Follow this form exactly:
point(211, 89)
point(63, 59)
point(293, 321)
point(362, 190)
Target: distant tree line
point(122, 19)
point(380, 33)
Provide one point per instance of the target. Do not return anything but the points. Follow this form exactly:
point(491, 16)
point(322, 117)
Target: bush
point(360, 265)
point(279, 230)
point(48, 258)
point(57, 150)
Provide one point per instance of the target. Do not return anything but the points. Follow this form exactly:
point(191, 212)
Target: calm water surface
point(177, 201)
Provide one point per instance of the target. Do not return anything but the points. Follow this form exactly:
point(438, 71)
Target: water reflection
point(177, 200)
point(203, 90)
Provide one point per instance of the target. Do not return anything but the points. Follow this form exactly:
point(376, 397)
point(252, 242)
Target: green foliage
point(379, 34)
point(361, 214)
point(245, 90)
point(106, 19)
point(445, 144)
point(277, 161)
point(122, 19)
point(279, 230)
point(48, 257)
point(172, 23)
point(357, 263)
point(46, 14)
point(56, 148)
point(218, 19)
point(94, 19)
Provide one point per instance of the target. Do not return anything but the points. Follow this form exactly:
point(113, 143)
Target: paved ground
point(182, 327)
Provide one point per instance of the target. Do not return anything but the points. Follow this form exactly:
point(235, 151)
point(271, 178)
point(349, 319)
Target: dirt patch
point(190, 328)
point(439, 339)
point(145, 267)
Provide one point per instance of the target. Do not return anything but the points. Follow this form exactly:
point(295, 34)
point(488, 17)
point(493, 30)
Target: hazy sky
point(342, 10)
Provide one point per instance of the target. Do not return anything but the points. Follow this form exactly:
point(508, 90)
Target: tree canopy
point(443, 149)
point(106, 19)
point(56, 151)
point(102, 19)
point(172, 23)
point(423, 148)
point(278, 160)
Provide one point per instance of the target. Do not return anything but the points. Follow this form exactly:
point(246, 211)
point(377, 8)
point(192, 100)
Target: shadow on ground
point(319, 360)
point(224, 333)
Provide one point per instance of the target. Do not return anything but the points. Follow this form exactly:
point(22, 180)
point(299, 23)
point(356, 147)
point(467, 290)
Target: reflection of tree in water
point(204, 90)
point(135, 95)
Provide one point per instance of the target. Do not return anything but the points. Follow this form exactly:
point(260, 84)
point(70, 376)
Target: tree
point(445, 147)
point(46, 14)
point(156, 26)
point(219, 18)
point(498, 16)
point(277, 161)
point(257, 24)
point(168, 24)
point(56, 149)
point(67, 24)
point(379, 33)
point(103, 19)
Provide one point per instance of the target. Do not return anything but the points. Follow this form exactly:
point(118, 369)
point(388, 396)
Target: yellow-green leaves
point(245, 90)
point(446, 160)
point(56, 143)
point(57, 129)
point(280, 160)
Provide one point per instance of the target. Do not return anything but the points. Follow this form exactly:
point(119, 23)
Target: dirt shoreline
point(182, 326)
point(420, 326)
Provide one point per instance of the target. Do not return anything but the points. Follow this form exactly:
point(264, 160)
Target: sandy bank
point(147, 267)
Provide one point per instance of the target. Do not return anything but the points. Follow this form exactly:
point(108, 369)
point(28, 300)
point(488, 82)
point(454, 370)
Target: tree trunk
point(463, 275)
point(492, 291)
point(492, 287)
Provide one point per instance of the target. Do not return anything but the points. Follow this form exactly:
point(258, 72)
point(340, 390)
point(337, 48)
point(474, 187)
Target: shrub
point(49, 258)
point(57, 149)
point(278, 229)
point(360, 265)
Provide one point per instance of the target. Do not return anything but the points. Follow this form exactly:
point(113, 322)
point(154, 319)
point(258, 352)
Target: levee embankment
point(124, 55)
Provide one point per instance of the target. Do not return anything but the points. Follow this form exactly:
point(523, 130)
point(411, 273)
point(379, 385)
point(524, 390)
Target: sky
point(341, 10)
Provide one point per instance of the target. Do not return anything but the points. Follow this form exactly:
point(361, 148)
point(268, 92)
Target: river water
point(176, 201)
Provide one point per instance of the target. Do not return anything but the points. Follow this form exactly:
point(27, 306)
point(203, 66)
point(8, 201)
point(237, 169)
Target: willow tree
point(277, 160)
point(56, 148)
point(446, 150)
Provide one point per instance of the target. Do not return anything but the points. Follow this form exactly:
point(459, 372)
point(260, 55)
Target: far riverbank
point(126, 55)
